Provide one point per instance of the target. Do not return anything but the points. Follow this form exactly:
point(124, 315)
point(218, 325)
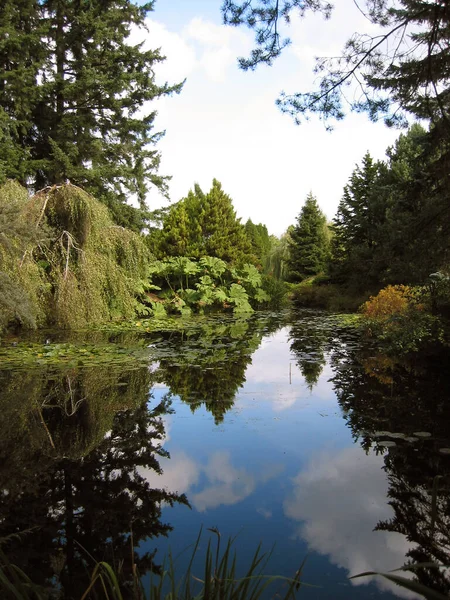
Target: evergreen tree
point(205, 225)
point(72, 91)
point(223, 235)
point(22, 58)
point(392, 79)
point(360, 215)
point(415, 235)
point(259, 239)
point(309, 242)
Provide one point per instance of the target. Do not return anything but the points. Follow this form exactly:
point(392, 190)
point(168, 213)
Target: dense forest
point(78, 243)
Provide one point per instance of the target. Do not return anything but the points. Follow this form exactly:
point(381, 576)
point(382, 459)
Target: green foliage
point(399, 319)
point(276, 290)
point(331, 297)
point(203, 225)
point(414, 239)
point(218, 578)
point(387, 80)
point(439, 291)
point(309, 243)
point(356, 226)
point(183, 285)
point(23, 288)
point(64, 262)
point(392, 222)
point(259, 239)
point(74, 100)
point(277, 259)
point(79, 435)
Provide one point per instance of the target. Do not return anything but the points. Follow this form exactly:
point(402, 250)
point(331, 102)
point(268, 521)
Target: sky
point(225, 123)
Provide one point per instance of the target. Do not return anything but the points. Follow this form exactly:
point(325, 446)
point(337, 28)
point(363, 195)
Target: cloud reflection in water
point(338, 500)
point(225, 483)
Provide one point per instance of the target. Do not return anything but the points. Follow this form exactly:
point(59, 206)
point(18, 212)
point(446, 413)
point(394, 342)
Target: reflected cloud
point(339, 499)
point(225, 484)
point(275, 368)
point(264, 512)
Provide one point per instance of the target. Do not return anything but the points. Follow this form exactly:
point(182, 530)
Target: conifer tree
point(357, 225)
point(73, 90)
point(223, 235)
point(415, 234)
point(402, 70)
point(181, 231)
point(259, 239)
point(205, 225)
point(309, 242)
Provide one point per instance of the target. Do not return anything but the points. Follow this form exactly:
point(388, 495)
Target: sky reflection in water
point(282, 468)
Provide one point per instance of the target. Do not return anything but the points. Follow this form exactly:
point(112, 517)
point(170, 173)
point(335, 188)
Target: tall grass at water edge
point(217, 581)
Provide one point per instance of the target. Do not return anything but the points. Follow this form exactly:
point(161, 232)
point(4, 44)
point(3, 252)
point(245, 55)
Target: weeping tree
point(67, 259)
point(22, 285)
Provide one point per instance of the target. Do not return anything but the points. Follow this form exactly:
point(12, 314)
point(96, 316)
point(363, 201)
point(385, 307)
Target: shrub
point(399, 318)
point(182, 285)
point(329, 297)
point(277, 290)
point(390, 301)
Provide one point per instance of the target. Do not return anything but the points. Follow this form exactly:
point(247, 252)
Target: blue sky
point(225, 124)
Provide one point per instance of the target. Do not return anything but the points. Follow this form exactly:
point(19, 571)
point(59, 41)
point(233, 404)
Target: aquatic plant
point(218, 579)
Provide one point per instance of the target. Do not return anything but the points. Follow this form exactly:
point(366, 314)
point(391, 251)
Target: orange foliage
point(392, 300)
point(381, 367)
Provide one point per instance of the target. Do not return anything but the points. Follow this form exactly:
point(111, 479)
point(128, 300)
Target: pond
point(282, 429)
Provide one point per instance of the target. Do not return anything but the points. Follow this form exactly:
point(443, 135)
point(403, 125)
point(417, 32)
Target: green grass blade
point(409, 584)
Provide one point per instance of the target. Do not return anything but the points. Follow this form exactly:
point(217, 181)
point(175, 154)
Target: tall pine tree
point(357, 225)
point(73, 99)
point(309, 244)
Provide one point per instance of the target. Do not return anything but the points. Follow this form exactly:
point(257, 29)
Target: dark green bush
point(329, 297)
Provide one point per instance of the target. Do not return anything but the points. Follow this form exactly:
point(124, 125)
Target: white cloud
point(180, 56)
point(225, 483)
point(274, 366)
point(217, 46)
point(338, 500)
point(225, 124)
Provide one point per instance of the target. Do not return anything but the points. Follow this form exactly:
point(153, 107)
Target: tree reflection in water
point(402, 409)
point(208, 366)
point(72, 447)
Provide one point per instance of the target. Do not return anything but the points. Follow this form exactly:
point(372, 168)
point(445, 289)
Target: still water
point(280, 429)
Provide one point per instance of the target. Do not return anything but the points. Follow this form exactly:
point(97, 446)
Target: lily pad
point(389, 434)
point(422, 434)
point(411, 439)
point(444, 451)
point(387, 444)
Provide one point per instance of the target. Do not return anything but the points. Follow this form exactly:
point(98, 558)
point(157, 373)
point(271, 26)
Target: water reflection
point(309, 341)
point(70, 481)
point(84, 456)
point(402, 410)
point(338, 499)
point(216, 482)
point(208, 366)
